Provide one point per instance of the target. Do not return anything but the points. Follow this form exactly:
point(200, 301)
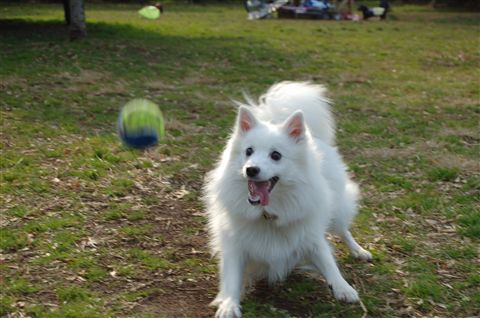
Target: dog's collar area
point(269, 216)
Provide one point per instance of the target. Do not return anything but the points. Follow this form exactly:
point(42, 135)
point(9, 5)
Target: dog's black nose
point(253, 171)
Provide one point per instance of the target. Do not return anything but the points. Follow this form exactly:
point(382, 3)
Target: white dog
point(279, 187)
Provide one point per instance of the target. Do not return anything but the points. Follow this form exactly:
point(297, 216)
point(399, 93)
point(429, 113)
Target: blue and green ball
point(140, 124)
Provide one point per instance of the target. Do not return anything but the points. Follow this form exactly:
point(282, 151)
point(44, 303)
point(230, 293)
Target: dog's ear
point(295, 126)
point(245, 119)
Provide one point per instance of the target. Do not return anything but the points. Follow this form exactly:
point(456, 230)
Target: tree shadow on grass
point(24, 30)
point(44, 69)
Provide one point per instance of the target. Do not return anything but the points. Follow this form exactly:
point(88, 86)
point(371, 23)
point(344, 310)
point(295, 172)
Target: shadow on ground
point(118, 61)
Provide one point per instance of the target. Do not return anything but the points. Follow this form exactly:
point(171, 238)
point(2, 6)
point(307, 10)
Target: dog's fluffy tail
point(284, 98)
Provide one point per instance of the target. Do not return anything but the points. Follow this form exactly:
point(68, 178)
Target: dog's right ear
point(295, 126)
point(245, 119)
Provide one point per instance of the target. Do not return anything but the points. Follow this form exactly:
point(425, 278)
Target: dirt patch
point(388, 153)
point(118, 88)
point(351, 78)
point(183, 288)
point(88, 77)
point(188, 300)
point(432, 150)
point(449, 160)
point(469, 136)
point(92, 82)
point(160, 86)
point(184, 291)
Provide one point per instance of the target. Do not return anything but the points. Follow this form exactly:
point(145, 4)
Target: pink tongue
point(259, 189)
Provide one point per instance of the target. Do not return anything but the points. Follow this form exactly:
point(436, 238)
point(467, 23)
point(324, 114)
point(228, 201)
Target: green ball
point(141, 124)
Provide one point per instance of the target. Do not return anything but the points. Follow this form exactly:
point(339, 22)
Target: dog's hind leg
point(345, 215)
point(355, 248)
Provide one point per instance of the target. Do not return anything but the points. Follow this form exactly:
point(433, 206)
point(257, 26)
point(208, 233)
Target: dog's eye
point(276, 155)
point(249, 151)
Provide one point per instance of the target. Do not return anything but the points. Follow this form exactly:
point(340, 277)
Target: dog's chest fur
point(265, 241)
point(277, 249)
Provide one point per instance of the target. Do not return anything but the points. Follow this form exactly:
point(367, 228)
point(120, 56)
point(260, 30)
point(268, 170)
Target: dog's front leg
point(231, 281)
point(324, 261)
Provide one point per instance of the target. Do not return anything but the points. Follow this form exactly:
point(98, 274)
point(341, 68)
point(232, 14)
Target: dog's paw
point(216, 301)
point(228, 309)
point(345, 292)
point(362, 254)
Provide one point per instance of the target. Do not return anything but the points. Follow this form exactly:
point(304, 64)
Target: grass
point(90, 228)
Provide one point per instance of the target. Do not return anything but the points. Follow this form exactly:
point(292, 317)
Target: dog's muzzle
point(259, 191)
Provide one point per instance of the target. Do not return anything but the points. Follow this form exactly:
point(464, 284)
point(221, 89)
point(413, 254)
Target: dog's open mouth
point(259, 191)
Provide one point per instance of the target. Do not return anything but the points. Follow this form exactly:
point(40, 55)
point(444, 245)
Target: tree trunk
point(78, 28)
point(66, 9)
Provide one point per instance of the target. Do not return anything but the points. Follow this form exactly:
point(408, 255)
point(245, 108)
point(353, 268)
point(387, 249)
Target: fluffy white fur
point(313, 195)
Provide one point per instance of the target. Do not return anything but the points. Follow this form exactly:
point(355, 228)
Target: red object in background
point(159, 6)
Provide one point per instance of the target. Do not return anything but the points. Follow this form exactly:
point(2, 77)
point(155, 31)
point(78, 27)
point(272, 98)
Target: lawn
point(90, 228)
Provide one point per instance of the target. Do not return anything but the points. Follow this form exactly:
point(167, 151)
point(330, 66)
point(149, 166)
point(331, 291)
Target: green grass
point(20, 286)
point(12, 239)
point(443, 174)
point(150, 261)
point(90, 228)
point(73, 294)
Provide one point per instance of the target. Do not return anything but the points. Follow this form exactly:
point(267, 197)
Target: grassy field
point(92, 229)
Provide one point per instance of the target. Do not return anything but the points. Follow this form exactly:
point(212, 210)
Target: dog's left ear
point(295, 126)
